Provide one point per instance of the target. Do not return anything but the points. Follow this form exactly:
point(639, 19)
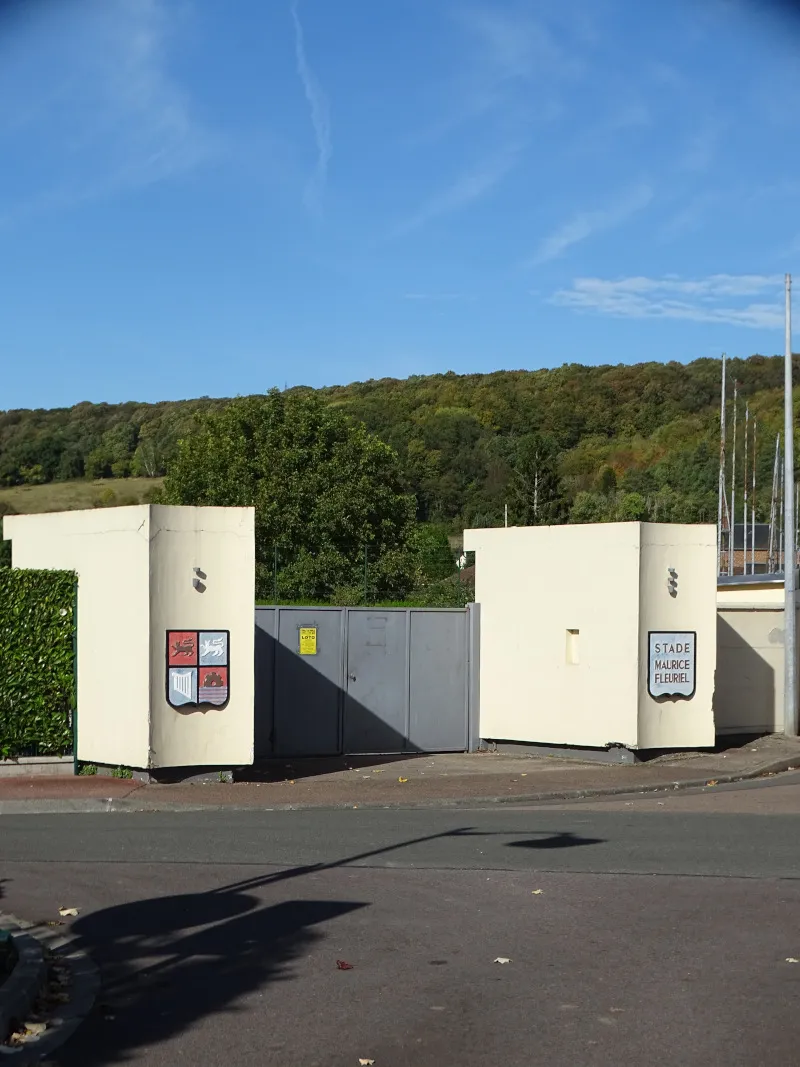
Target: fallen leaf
point(291, 781)
point(524, 774)
point(366, 1063)
point(34, 1029)
point(343, 965)
point(791, 959)
point(55, 922)
point(402, 779)
point(66, 913)
point(712, 782)
point(378, 770)
point(537, 892)
point(502, 959)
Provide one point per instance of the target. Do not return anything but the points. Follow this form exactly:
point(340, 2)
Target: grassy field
point(71, 496)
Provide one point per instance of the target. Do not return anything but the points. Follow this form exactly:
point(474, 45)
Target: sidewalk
point(384, 781)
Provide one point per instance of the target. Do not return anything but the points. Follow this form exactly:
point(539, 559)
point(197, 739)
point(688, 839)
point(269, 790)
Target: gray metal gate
point(365, 680)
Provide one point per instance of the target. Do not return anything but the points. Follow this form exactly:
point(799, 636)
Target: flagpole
point(789, 560)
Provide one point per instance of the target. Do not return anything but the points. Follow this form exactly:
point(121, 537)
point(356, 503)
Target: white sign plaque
point(671, 663)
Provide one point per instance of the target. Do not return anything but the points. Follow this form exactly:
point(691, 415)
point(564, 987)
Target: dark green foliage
point(536, 495)
point(467, 444)
point(37, 630)
point(95, 440)
point(5, 546)
point(433, 559)
point(323, 489)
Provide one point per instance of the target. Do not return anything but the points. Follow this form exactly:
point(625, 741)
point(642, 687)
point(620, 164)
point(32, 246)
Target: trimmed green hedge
point(37, 652)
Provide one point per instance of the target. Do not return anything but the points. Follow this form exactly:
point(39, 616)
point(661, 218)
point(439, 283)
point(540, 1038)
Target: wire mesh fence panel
point(354, 575)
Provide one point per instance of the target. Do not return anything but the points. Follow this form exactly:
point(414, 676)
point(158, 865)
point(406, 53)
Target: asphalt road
point(660, 935)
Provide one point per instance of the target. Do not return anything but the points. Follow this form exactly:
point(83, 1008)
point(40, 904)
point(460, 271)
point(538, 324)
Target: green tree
point(606, 480)
point(322, 486)
point(433, 557)
point(33, 475)
point(631, 507)
point(590, 507)
point(536, 492)
point(98, 464)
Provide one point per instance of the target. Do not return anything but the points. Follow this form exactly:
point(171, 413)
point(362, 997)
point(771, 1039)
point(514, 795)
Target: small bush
point(37, 633)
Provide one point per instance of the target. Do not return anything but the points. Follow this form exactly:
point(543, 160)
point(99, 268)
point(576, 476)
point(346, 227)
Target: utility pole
point(773, 508)
point(753, 508)
point(789, 561)
point(721, 489)
point(732, 524)
point(746, 435)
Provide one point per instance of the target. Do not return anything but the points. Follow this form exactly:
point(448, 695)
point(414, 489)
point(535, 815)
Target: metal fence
point(343, 680)
point(365, 575)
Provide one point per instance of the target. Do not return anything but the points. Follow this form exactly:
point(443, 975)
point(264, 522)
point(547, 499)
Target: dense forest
point(574, 443)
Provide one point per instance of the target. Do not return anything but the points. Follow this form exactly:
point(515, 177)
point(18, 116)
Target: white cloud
point(587, 223)
point(108, 116)
point(432, 297)
point(162, 136)
point(505, 66)
point(320, 112)
point(710, 299)
point(514, 46)
point(468, 187)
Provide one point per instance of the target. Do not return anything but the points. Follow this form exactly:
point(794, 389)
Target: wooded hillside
point(576, 442)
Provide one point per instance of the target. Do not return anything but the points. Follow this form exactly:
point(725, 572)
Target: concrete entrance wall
point(565, 617)
point(143, 571)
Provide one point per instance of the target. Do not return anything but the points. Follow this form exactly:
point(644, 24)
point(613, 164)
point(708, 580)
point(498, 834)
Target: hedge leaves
point(37, 680)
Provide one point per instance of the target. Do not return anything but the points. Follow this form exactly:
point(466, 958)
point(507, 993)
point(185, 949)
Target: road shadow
point(167, 962)
point(283, 770)
point(559, 840)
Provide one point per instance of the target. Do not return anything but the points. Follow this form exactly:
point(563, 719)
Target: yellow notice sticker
point(308, 640)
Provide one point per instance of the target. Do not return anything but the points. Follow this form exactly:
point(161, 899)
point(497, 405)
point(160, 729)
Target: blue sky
point(205, 198)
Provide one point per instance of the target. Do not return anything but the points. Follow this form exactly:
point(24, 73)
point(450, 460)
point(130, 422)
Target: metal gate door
point(441, 673)
point(377, 682)
point(306, 689)
point(372, 680)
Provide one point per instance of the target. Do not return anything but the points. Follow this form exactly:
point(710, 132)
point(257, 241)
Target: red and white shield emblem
point(197, 668)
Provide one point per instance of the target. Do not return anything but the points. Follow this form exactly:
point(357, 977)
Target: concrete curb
point(96, 805)
point(58, 807)
point(62, 1023)
point(23, 985)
